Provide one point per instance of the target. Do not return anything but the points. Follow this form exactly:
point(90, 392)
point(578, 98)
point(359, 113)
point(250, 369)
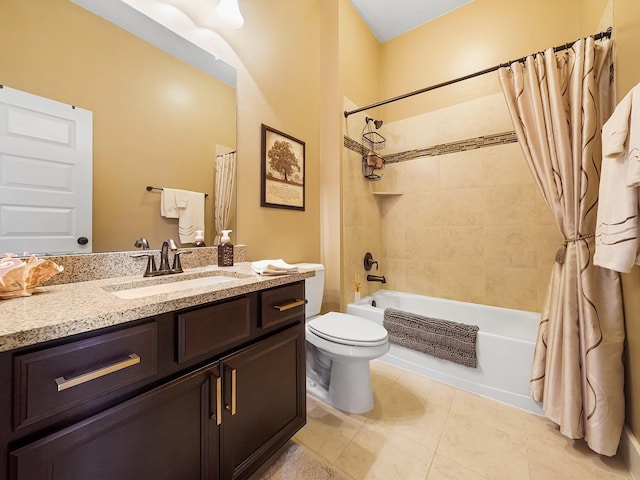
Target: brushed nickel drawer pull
point(64, 383)
point(296, 303)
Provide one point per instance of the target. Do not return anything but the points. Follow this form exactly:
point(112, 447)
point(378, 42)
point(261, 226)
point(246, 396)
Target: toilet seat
point(348, 329)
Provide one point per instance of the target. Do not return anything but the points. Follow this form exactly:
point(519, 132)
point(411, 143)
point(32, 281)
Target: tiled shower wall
point(361, 216)
point(469, 225)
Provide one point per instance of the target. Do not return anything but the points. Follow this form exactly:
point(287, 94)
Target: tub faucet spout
point(376, 278)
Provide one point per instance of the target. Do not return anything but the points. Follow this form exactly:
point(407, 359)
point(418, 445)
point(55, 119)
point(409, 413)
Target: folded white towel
point(169, 203)
point(187, 207)
point(273, 267)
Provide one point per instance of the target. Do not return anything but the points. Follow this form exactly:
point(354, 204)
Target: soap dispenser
point(199, 240)
point(225, 250)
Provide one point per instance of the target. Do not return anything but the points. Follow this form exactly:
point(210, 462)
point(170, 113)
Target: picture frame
point(282, 170)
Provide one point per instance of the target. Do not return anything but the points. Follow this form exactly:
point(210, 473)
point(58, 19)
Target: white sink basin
point(168, 287)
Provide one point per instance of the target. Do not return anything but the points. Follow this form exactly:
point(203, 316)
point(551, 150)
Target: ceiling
point(389, 18)
point(169, 29)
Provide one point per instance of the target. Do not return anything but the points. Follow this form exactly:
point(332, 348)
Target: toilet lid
point(348, 329)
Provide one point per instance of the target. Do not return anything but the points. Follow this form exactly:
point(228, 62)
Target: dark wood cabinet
point(211, 330)
point(55, 379)
point(164, 434)
point(264, 397)
point(282, 305)
point(217, 394)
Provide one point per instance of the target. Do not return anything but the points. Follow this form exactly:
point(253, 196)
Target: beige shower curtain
point(558, 103)
point(225, 178)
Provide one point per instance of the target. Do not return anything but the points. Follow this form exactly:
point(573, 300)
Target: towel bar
point(149, 188)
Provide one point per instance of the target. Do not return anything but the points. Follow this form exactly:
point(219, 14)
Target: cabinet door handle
point(232, 408)
point(217, 415)
point(64, 383)
point(218, 400)
point(288, 306)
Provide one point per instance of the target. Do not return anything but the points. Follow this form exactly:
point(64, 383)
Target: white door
point(46, 150)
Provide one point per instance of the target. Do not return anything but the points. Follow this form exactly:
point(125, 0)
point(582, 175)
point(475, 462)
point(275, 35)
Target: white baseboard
point(630, 449)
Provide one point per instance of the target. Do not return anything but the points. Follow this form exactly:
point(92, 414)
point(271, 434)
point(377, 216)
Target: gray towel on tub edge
point(452, 341)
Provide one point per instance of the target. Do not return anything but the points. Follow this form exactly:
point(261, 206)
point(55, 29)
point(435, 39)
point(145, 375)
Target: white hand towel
point(169, 206)
point(273, 267)
point(191, 216)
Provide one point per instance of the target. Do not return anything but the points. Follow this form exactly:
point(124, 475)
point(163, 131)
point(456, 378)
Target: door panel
point(168, 433)
point(45, 174)
point(269, 402)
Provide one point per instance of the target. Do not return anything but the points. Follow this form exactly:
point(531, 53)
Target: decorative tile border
point(354, 146)
point(441, 149)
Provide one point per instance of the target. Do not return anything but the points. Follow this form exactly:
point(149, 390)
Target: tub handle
point(288, 306)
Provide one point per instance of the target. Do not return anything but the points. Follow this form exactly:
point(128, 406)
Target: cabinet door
point(264, 396)
point(167, 433)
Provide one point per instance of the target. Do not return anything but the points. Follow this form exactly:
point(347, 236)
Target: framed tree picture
point(282, 170)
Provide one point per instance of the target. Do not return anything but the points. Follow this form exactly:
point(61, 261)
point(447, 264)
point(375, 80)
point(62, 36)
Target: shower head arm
point(376, 123)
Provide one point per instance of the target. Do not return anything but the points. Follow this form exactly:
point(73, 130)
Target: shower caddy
point(372, 140)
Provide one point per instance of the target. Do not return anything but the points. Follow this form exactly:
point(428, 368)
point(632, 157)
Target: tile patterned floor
point(424, 430)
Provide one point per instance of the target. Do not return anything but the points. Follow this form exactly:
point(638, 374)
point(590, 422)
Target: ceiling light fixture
point(210, 14)
point(229, 14)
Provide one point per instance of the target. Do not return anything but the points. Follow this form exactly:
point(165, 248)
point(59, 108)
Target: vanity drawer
point(55, 379)
point(282, 305)
point(213, 329)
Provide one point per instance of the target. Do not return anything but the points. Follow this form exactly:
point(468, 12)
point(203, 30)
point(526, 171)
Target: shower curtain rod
point(566, 46)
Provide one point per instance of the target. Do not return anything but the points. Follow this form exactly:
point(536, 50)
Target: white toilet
point(339, 348)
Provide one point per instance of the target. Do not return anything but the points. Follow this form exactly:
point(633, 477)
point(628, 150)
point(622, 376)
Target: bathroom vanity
point(199, 383)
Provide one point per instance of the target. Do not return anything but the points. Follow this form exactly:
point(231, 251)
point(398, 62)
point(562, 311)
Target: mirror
point(157, 120)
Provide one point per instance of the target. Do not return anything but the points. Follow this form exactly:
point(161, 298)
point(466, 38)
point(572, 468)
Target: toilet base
point(349, 387)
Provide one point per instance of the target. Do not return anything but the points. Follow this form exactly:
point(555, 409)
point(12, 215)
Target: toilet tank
point(314, 288)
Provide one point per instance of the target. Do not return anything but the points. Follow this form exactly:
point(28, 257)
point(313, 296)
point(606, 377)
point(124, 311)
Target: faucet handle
point(177, 266)
point(151, 263)
point(369, 261)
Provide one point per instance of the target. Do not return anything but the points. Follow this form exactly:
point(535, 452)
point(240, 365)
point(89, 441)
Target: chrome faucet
point(376, 278)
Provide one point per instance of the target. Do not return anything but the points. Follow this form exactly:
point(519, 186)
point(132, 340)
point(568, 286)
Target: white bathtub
point(505, 344)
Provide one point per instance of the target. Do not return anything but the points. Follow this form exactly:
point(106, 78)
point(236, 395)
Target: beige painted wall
point(459, 43)
point(331, 155)
point(279, 84)
point(359, 59)
point(156, 120)
point(594, 16)
point(361, 215)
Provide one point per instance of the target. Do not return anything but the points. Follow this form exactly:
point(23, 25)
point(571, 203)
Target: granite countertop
point(61, 310)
